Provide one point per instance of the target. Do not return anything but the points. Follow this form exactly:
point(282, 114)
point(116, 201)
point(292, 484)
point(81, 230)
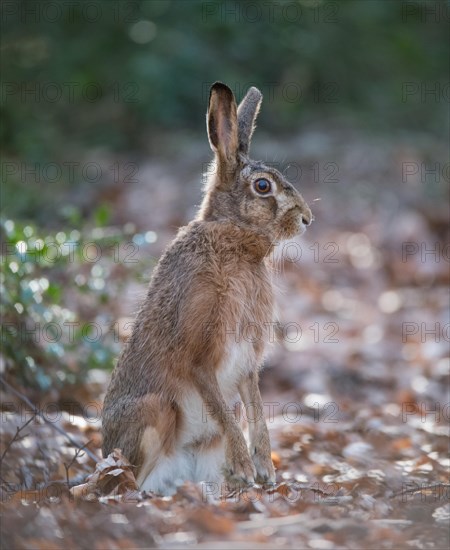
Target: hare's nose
point(306, 221)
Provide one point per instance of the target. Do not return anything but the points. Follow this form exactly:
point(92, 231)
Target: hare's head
point(243, 191)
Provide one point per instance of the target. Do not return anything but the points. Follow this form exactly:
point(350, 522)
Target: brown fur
point(211, 279)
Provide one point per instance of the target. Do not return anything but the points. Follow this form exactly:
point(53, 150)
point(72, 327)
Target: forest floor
point(356, 394)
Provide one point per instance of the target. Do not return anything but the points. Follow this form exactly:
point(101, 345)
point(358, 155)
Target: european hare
point(170, 400)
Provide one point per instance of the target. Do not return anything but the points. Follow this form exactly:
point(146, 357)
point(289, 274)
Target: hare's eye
point(262, 186)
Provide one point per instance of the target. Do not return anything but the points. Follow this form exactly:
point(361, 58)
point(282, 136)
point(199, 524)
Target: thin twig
point(68, 466)
point(54, 426)
point(76, 480)
point(15, 438)
point(418, 489)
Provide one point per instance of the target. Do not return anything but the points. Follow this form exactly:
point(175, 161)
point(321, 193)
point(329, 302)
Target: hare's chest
point(247, 336)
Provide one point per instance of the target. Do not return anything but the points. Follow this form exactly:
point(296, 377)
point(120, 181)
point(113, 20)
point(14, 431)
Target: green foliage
point(54, 327)
point(104, 77)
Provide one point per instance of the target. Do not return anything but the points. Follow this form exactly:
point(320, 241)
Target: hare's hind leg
point(158, 438)
point(151, 448)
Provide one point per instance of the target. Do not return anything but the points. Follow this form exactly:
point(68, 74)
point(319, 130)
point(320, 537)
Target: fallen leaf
point(113, 474)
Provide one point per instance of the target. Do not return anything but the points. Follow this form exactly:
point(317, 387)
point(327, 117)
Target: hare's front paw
point(239, 466)
point(265, 472)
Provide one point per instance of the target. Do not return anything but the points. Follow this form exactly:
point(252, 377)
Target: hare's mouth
point(293, 222)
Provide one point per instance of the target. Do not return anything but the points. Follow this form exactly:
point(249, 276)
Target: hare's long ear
point(222, 125)
point(247, 112)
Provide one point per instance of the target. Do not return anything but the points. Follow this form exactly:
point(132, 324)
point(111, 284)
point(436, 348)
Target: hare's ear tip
point(220, 87)
point(255, 92)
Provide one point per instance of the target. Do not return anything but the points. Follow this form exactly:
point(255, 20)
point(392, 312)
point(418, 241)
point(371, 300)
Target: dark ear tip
point(220, 87)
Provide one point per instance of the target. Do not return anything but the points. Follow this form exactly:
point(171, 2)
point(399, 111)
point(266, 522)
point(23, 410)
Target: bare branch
point(54, 426)
point(16, 437)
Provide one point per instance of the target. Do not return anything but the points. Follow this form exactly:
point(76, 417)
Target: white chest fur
point(239, 360)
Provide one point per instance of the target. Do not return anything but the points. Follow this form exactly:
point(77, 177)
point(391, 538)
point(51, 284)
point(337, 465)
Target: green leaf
point(102, 215)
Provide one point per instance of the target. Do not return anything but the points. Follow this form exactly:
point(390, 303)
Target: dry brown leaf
point(276, 459)
point(113, 474)
point(211, 522)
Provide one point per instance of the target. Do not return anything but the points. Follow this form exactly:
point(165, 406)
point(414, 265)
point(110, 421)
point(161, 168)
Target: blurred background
point(103, 139)
point(104, 149)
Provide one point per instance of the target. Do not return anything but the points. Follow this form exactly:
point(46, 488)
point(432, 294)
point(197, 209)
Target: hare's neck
point(231, 238)
point(256, 246)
